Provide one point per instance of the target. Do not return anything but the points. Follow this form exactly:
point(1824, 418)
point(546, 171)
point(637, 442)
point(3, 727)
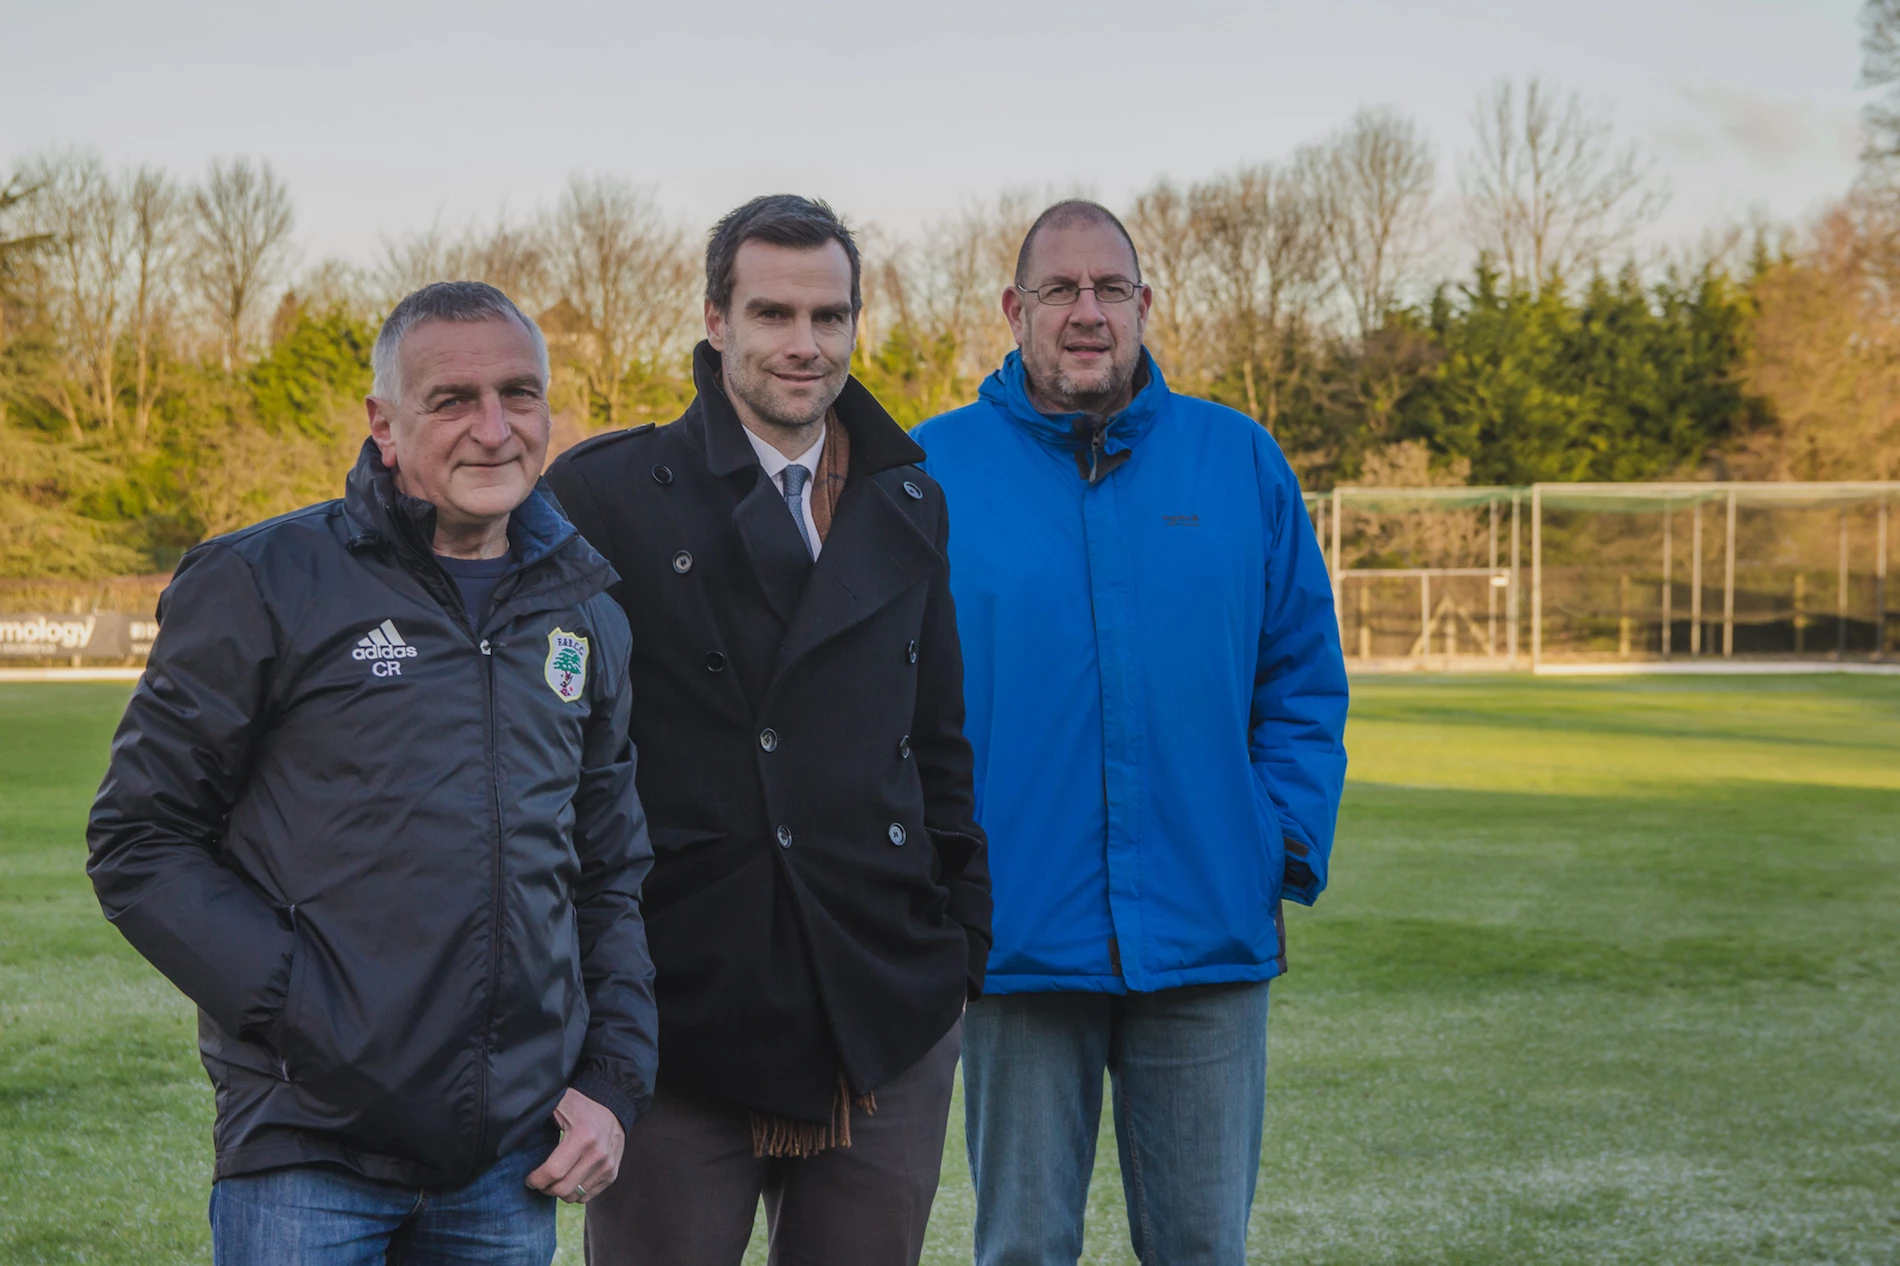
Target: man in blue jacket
point(1156, 700)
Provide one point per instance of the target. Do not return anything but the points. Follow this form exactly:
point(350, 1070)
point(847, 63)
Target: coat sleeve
point(1297, 726)
point(946, 767)
point(620, 1057)
point(179, 762)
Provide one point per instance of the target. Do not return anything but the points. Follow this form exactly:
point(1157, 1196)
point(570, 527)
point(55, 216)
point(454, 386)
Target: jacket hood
point(381, 515)
point(1113, 437)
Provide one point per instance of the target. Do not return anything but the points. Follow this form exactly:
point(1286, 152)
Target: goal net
point(1554, 574)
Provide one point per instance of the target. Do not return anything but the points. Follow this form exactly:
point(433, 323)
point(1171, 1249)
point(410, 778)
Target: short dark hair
point(1067, 214)
point(781, 219)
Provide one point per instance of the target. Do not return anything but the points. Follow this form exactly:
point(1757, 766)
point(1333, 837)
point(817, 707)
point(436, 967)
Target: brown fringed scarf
point(783, 1136)
point(834, 466)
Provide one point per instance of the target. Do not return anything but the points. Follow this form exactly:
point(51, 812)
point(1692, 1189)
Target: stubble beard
point(754, 390)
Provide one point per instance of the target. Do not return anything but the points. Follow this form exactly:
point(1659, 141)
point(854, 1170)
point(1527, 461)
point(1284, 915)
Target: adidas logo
point(383, 642)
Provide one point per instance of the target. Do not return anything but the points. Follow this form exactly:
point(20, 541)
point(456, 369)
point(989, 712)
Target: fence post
point(1491, 590)
point(1338, 589)
point(1728, 583)
point(1840, 597)
point(1880, 586)
point(1510, 599)
point(1667, 595)
point(1537, 576)
point(1695, 580)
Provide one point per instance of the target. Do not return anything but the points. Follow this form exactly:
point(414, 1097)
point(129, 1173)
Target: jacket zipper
point(494, 919)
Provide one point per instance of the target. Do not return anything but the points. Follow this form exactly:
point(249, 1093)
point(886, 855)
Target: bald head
point(1073, 213)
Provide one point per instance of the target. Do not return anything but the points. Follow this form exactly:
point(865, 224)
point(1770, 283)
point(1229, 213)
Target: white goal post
point(1647, 575)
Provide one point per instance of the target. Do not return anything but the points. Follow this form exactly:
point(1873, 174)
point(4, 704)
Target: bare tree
point(410, 263)
point(333, 283)
point(1372, 189)
point(1880, 68)
point(1264, 251)
point(15, 194)
point(630, 278)
point(512, 257)
point(966, 262)
point(155, 216)
point(1162, 224)
point(82, 213)
point(941, 294)
point(1547, 192)
point(243, 217)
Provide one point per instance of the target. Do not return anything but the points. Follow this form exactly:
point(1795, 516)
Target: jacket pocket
point(669, 840)
point(282, 1036)
point(1272, 835)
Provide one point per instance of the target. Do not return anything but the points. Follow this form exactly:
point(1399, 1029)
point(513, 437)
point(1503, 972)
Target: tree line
point(168, 371)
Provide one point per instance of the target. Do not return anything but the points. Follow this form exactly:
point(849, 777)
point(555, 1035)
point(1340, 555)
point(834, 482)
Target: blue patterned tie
point(795, 477)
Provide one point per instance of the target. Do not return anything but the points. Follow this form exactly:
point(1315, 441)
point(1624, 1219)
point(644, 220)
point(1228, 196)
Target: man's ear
point(382, 417)
point(1013, 312)
point(715, 326)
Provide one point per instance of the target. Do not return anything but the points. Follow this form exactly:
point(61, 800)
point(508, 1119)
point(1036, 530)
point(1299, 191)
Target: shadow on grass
point(1735, 884)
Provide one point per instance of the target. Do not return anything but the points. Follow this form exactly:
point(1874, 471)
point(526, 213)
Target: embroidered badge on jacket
point(566, 669)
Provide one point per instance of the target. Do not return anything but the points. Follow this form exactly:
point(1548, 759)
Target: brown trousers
point(689, 1185)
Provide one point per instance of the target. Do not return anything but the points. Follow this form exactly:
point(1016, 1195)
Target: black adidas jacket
point(394, 859)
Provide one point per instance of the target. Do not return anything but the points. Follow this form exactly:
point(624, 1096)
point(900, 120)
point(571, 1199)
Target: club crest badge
point(566, 669)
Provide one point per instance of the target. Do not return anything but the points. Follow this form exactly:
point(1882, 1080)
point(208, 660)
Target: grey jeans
point(689, 1185)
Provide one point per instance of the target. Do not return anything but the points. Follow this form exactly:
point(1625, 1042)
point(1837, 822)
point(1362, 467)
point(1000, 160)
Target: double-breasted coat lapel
point(779, 559)
point(874, 552)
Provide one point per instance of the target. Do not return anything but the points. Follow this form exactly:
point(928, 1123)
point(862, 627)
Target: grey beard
point(1077, 399)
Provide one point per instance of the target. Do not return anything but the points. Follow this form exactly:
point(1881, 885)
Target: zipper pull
point(485, 648)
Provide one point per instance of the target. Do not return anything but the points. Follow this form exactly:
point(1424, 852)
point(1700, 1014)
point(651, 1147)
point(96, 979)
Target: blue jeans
point(1190, 1074)
point(317, 1215)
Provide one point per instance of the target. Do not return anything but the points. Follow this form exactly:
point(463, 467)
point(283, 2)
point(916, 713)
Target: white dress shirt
point(775, 463)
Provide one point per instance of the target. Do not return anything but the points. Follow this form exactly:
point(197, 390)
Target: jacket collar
point(552, 563)
point(1113, 437)
point(877, 441)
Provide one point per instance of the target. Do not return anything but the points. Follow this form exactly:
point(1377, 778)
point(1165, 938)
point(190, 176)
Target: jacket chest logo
point(383, 649)
point(566, 668)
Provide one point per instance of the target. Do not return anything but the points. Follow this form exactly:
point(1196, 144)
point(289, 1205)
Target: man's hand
point(588, 1158)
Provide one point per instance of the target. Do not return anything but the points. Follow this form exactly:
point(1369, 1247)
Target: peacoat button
point(910, 651)
point(715, 662)
point(682, 562)
point(662, 475)
point(897, 835)
point(785, 837)
point(768, 739)
point(903, 748)
point(915, 493)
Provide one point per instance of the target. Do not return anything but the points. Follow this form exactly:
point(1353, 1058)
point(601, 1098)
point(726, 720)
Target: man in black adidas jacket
point(372, 808)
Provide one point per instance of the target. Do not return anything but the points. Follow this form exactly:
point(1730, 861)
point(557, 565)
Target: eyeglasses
point(1063, 294)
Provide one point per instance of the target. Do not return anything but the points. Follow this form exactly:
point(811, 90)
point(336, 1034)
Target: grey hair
point(458, 301)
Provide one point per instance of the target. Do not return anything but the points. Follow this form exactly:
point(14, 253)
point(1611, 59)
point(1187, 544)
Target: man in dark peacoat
point(818, 910)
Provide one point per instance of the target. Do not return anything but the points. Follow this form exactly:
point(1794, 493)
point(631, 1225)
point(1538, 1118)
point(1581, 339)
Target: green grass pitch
point(1609, 972)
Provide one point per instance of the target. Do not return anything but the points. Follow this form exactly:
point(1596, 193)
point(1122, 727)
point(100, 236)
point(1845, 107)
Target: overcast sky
point(385, 117)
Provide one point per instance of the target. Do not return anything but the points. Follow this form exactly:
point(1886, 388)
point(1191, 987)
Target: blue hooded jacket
point(1155, 692)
